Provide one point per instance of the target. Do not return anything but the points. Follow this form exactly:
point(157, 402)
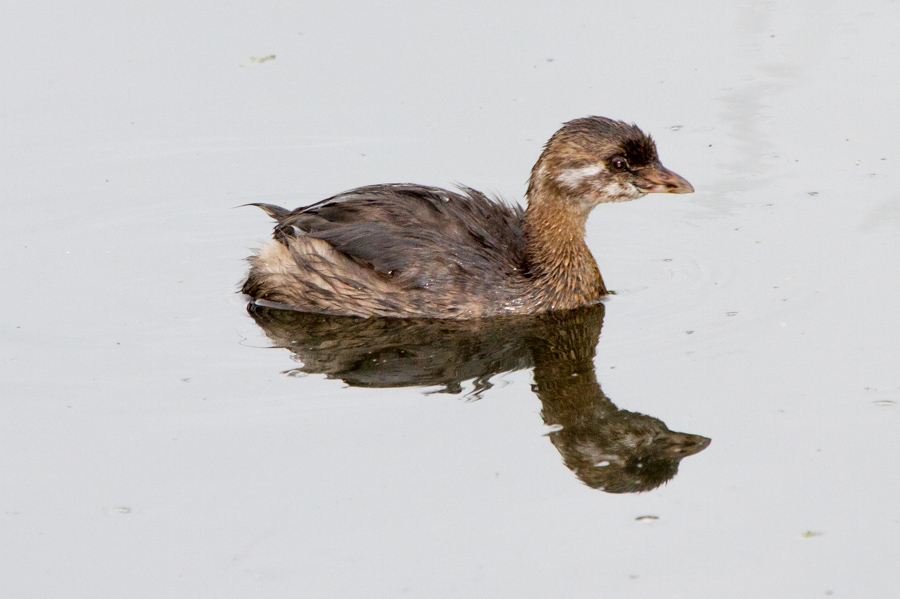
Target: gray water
point(158, 442)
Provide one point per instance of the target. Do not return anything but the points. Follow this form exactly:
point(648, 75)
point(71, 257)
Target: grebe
point(413, 251)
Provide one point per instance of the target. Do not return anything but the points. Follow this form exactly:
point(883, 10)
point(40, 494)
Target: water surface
point(159, 442)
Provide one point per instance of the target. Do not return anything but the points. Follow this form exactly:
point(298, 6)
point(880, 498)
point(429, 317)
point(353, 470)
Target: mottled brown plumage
point(407, 250)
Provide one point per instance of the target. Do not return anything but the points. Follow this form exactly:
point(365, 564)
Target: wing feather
point(421, 237)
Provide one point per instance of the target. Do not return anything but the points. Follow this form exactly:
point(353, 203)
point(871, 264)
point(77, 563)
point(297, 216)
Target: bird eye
point(619, 163)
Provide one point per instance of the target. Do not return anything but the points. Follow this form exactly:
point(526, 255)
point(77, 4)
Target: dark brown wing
point(422, 237)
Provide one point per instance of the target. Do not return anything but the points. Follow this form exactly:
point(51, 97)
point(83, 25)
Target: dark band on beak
point(658, 179)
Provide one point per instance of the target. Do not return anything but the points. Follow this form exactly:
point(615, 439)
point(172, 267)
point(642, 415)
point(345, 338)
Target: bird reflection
point(613, 450)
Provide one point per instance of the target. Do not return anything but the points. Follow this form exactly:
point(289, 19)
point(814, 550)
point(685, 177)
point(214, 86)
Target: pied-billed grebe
point(414, 251)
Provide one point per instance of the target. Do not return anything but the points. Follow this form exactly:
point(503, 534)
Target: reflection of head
point(623, 452)
point(607, 448)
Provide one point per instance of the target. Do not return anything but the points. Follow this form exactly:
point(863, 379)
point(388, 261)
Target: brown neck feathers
point(564, 272)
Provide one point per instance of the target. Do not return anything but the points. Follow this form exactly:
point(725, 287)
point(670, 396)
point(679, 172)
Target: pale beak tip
point(684, 187)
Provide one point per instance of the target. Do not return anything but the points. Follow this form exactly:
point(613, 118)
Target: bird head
point(595, 160)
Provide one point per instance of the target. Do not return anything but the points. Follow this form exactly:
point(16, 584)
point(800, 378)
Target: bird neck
point(563, 269)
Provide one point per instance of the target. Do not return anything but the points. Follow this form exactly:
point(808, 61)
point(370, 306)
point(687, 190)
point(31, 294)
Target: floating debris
point(262, 58)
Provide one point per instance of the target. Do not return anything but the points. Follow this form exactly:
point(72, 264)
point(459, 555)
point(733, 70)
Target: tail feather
point(276, 212)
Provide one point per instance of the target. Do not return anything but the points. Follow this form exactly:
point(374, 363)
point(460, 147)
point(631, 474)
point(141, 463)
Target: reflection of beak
point(658, 179)
point(681, 445)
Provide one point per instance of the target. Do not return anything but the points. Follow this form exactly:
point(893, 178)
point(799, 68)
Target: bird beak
point(658, 179)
